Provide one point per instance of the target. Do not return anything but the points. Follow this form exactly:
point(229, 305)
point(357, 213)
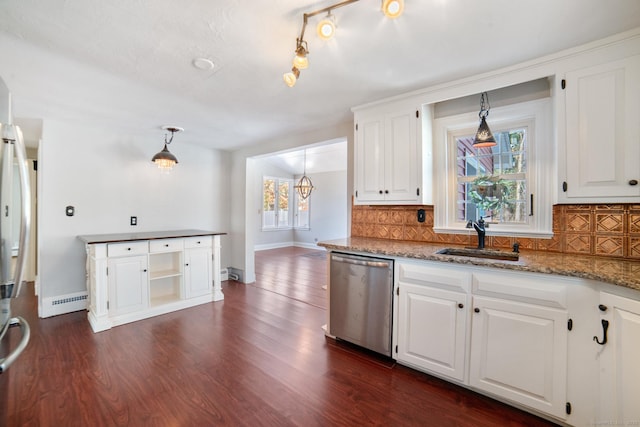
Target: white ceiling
point(325, 157)
point(243, 100)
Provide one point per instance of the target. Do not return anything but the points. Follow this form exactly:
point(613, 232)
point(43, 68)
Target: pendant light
point(164, 159)
point(304, 186)
point(484, 137)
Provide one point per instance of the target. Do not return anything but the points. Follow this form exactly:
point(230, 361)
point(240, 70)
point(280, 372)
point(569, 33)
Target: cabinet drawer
point(166, 245)
point(126, 249)
point(197, 242)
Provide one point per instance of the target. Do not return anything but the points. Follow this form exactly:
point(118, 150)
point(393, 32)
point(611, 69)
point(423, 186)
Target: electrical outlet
point(134, 220)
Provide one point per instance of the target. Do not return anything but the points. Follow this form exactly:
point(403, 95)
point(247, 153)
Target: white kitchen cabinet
point(602, 142)
point(432, 319)
point(619, 360)
point(502, 333)
point(197, 266)
point(519, 352)
point(128, 288)
point(392, 164)
point(136, 279)
point(519, 339)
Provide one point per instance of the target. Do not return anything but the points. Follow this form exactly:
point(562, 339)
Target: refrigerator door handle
point(25, 197)
point(26, 333)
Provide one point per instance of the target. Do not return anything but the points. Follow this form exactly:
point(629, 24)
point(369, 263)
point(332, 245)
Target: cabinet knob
point(128, 249)
point(633, 182)
point(380, 191)
point(198, 242)
point(144, 271)
point(476, 310)
point(386, 191)
point(187, 264)
point(166, 245)
point(602, 307)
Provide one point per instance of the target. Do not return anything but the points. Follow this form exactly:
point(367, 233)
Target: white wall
point(91, 161)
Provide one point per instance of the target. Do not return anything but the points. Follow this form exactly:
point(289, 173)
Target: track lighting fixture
point(392, 8)
point(484, 137)
point(291, 77)
point(164, 159)
point(326, 29)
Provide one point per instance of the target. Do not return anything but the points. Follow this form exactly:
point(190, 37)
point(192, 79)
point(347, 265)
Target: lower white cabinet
point(197, 272)
point(135, 280)
point(432, 319)
point(619, 360)
point(502, 333)
point(128, 288)
point(519, 352)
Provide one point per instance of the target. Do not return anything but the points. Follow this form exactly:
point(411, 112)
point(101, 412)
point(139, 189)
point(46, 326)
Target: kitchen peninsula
point(553, 333)
point(133, 276)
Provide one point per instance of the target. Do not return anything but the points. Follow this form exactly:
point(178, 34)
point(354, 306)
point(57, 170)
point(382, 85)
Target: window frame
point(537, 115)
point(292, 206)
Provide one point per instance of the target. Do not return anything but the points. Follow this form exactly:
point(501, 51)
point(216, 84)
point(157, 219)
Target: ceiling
point(242, 101)
point(320, 158)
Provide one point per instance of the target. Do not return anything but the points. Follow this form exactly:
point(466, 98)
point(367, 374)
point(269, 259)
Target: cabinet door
point(432, 329)
point(197, 272)
point(401, 157)
point(369, 157)
point(603, 130)
point(128, 284)
point(519, 351)
point(619, 361)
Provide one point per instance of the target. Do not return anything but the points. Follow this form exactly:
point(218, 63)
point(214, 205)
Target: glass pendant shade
point(304, 187)
point(291, 77)
point(164, 159)
point(484, 137)
point(392, 8)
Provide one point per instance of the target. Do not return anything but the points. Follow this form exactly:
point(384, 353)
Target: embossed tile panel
point(601, 230)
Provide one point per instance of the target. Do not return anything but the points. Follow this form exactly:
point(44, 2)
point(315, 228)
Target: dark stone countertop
point(622, 272)
point(150, 235)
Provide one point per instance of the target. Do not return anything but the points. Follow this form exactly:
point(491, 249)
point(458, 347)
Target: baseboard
point(267, 246)
point(63, 304)
point(308, 246)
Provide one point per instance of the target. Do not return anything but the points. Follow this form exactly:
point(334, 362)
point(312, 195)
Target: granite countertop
point(150, 235)
point(620, 272)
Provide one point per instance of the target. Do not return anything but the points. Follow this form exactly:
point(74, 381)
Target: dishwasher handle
point(360, 261)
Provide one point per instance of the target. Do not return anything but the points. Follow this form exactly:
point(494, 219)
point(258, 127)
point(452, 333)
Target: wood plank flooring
point(258, 358)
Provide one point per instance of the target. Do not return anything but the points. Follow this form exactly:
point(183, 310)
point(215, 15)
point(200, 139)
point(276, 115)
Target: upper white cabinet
point(618, 342)
point(391, 162)
point(602, 143)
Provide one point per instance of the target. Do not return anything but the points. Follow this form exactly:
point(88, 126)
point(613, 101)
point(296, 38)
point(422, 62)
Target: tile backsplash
point(601, 230)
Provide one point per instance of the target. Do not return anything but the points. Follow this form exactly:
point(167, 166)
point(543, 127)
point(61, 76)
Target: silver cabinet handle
point(26, 334)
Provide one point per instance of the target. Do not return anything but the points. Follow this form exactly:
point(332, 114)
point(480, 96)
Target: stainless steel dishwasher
point(360, 301)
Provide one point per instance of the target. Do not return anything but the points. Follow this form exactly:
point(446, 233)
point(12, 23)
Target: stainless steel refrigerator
point(15, 217)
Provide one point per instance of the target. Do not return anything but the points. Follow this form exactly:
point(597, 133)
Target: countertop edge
point(148, 235)
point(581, 266)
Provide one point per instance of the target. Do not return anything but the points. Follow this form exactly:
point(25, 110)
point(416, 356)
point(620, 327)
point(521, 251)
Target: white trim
point(267, 246)
point(538, 116)
point(309, 246)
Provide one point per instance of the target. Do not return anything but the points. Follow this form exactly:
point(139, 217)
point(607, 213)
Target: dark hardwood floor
point(258, 358)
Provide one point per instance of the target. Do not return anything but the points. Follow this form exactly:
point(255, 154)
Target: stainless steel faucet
point(479, 226)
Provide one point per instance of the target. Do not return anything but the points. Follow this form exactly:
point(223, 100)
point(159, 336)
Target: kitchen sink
point(480, 253)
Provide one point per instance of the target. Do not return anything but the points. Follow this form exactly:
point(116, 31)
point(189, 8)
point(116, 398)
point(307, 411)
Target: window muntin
point(282, 209)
